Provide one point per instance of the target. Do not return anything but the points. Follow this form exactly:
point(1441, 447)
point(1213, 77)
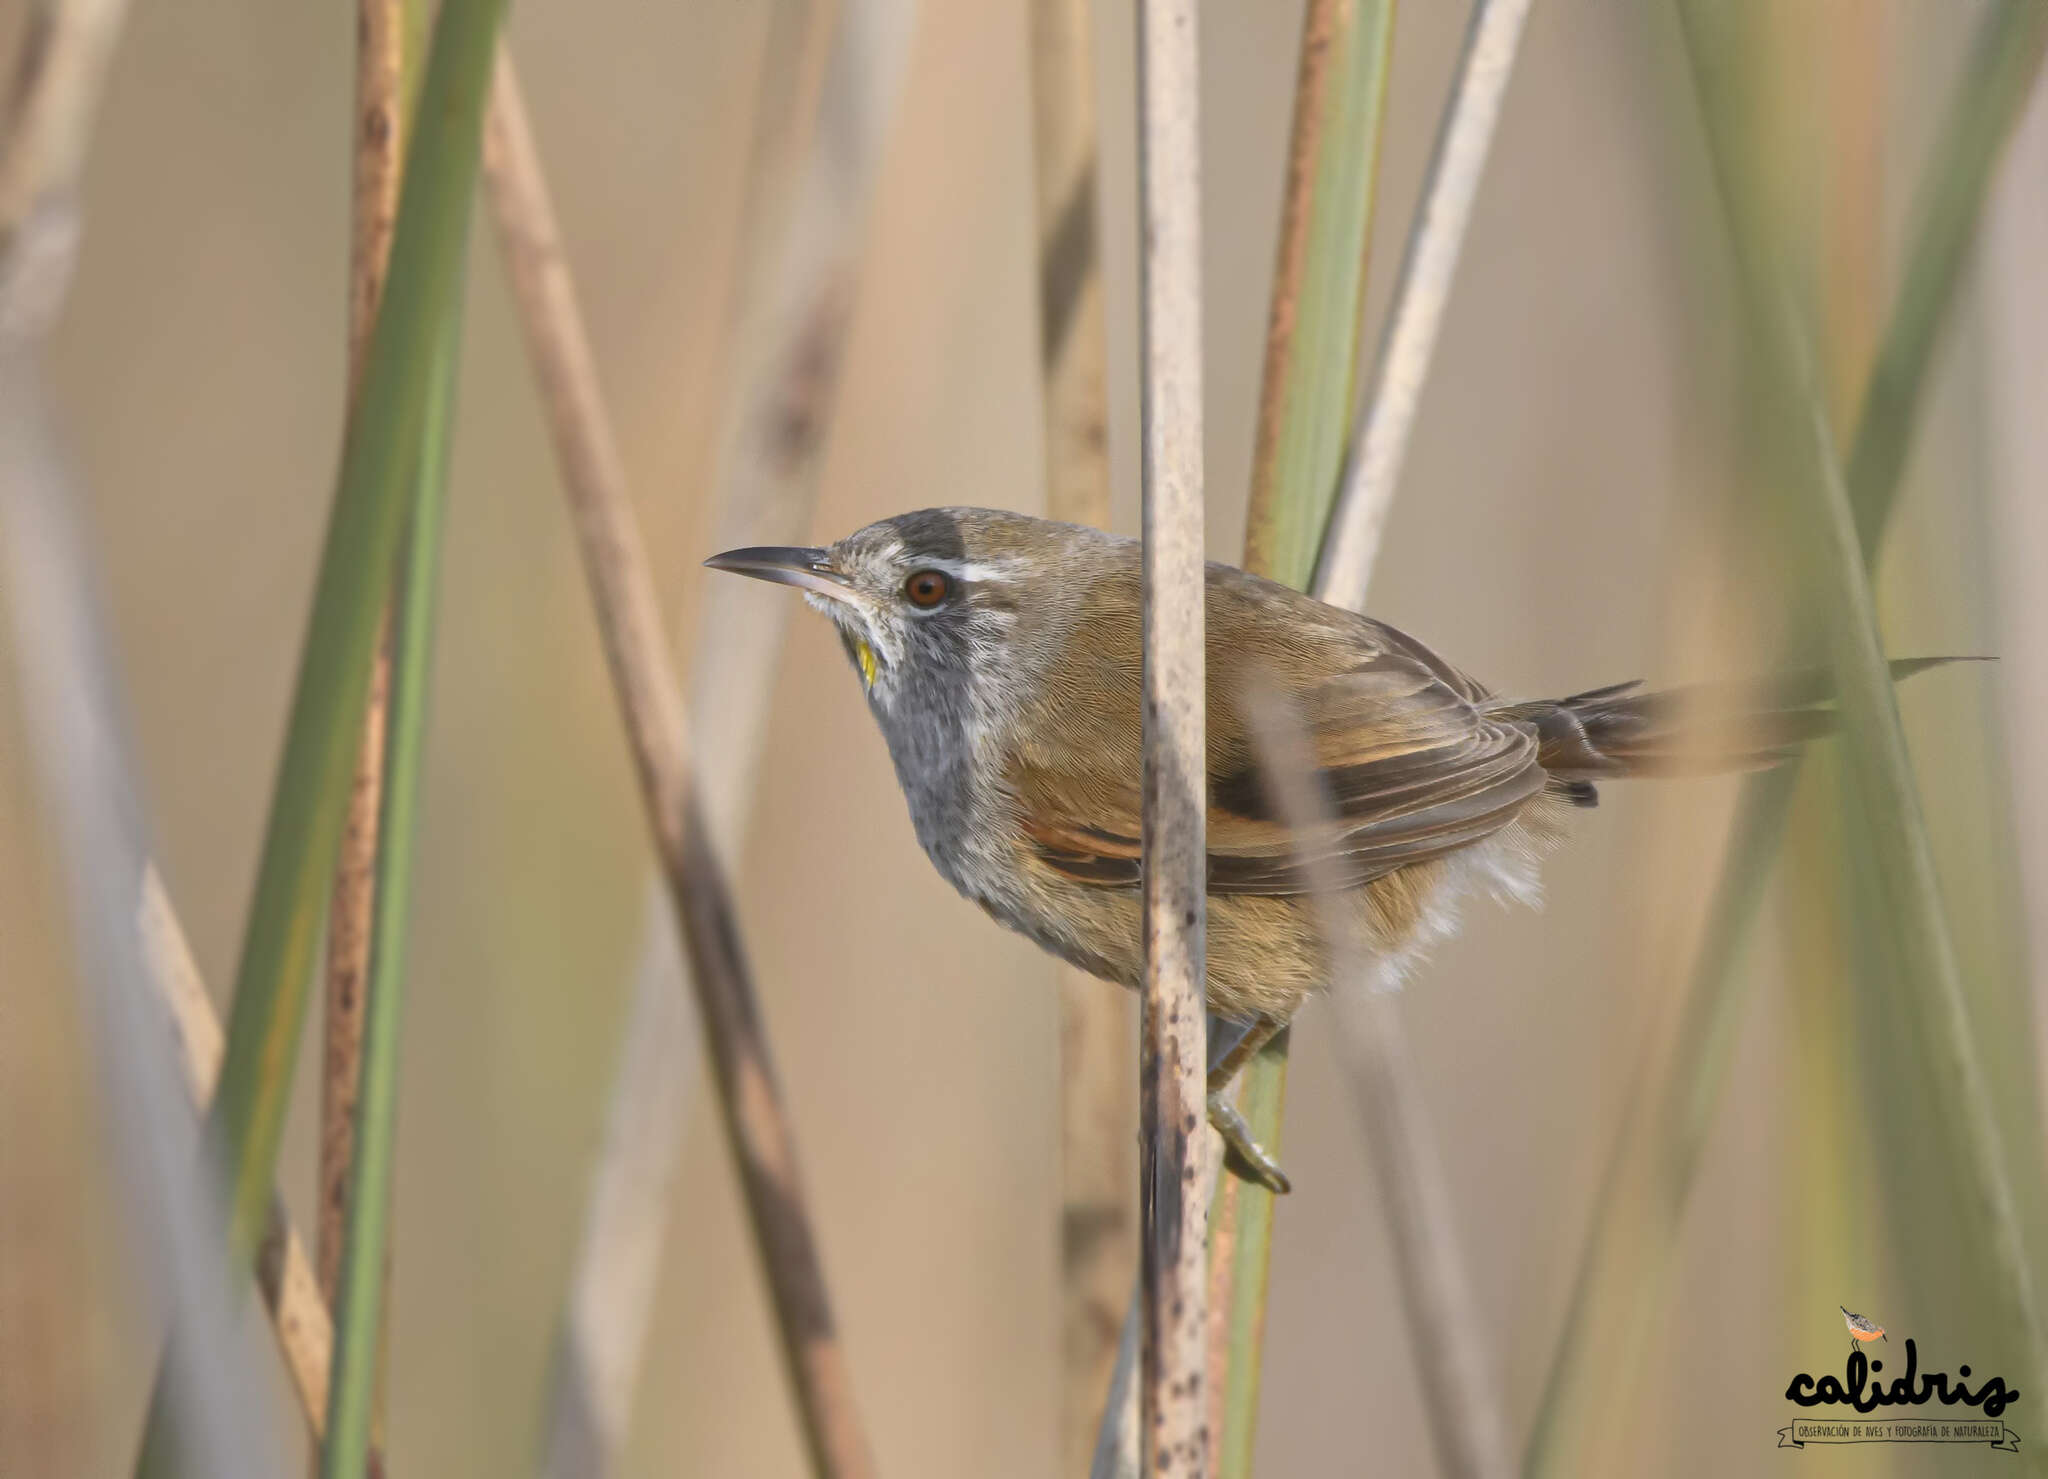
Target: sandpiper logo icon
point(1863, 1391)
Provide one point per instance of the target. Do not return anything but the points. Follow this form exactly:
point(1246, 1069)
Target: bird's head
point(926, 603)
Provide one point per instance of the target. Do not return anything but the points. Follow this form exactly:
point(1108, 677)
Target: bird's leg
point(1233, 1041)
point(1232, 1045)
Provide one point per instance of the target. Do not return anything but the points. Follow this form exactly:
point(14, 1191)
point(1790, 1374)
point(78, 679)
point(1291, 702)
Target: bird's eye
point(927, 588)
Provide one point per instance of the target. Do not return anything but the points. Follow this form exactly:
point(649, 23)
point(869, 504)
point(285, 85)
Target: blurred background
point(1572, 515)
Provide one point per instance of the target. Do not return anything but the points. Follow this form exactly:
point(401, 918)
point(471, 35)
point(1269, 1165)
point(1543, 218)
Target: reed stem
point(797, 262)
point(1172, 1102)
point(1619, 1291)
point(1098, 1159)
point(388, 33)
point(359, 1303)
point(643, 674)
point(1350, 516)
point(1351, 543)
point(372, 500)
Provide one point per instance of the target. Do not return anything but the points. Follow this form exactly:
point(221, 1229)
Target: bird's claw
point(1245, 1155)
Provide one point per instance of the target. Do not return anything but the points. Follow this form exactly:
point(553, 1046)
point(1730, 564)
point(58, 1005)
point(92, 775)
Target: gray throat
point(929, 721)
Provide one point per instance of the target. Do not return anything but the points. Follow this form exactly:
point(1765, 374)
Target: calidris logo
point(1860, 1329)
point(1863, 1391)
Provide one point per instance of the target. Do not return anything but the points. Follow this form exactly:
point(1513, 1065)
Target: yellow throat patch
point(866, 654)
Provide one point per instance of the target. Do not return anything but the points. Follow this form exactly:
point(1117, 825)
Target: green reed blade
point(380, 458)
point(359, 1293)
point(1315, 335)
point(1618, 1294)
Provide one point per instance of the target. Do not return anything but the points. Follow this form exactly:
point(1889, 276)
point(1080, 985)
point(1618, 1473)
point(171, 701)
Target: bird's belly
point(1265, 953)
point(1262, 952)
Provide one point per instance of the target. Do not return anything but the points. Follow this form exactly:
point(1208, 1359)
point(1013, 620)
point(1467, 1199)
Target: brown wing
point(1412, 767)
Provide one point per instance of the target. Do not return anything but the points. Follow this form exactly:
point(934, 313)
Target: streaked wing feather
point(1412, 766)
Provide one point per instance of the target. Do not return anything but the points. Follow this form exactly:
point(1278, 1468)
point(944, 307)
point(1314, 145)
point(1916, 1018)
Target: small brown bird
point(1862, 1330)
point(1001, 657)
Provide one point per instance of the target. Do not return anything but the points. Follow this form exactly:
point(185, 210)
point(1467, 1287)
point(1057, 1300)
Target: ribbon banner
point(1898, 1430)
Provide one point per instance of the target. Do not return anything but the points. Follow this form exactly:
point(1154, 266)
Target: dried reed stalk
point(284, 1274)
point(1315, 321)
point(73, 713)
point(71, 709)
point(1098, 1159)
point(796, 308)
point(76, 40)
point(46, 122)
point(381, 37)
point(1380, 444)
point(643, 671)
point(372, 504)
point(355, 1393)
point(798, 260)
point(1349, 548)
point(1172, 1102)
point(1314, 327)
point(1458, 1389)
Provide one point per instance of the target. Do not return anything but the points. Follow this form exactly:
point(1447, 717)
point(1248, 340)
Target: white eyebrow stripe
point(973, 570)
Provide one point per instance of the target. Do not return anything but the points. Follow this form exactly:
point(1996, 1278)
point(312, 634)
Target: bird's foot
point(1244, 1155)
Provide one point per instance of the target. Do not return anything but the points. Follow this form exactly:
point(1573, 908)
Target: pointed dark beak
point(806, 569)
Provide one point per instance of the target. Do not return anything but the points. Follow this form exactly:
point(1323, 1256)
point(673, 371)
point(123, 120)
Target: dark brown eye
point(927, 588)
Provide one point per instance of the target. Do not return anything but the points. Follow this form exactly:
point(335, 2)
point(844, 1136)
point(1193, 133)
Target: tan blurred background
point(1572, 447)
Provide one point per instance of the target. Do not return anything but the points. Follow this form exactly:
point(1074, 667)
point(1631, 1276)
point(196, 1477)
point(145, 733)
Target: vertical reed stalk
point(1881, 792)
point(46, 123)
point(72, 713)
point(379, 140)
point(1315, 323)
point(291, 1292)
point(1097, 1156)
point(350, 919)
point(643, 673)
point(48, 115)
point(385, 31)
point(1172, 1105)
point(353, 1397)
point(1349, 545)
point(1314, 329)
point(1172, 1096)
point(1618, 1294)
point(1458, 1390)
point(1380, 444)
point(1116, 1453)
point(74, 721)
point(1827, 1172)
point(379, 460)
point(1446, 1328)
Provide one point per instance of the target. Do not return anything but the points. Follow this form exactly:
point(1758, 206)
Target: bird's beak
point(806, 569)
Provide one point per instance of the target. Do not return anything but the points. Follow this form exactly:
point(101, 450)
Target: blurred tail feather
point(1700, 729)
